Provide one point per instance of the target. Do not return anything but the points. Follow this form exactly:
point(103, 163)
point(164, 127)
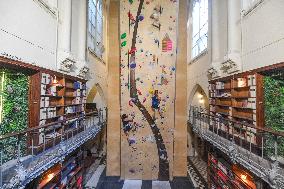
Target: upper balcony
point(260, 150)
point(22, 160)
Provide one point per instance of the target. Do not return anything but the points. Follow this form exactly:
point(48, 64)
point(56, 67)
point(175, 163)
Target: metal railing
point(261, 150)
point(21, 150)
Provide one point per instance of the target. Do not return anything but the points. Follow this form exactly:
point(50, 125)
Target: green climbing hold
point(130, 1)
point(123, 43)
point(123, 36)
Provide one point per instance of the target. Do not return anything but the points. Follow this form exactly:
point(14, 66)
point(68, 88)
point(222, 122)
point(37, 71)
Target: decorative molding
point(66, 60)
point(84, 71)
point(231, 64)
point(212, 73)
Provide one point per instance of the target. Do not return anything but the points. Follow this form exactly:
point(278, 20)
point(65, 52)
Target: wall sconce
point(201, 99)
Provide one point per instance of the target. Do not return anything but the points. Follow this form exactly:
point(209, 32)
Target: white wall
point(262, 41)
point(31, 32)
point(263, 35)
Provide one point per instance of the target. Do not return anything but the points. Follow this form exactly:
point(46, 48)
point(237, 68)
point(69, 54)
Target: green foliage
point(274, 112)
point(15, 111)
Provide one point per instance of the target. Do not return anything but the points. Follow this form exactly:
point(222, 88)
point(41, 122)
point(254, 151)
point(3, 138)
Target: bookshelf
point(55, 98)
point(223, 174)
point(68, 174)
point(236, 98)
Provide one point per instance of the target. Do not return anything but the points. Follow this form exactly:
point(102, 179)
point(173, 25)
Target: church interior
point(141, 94)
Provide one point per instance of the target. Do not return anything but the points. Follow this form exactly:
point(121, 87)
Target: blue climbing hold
point(141, 17)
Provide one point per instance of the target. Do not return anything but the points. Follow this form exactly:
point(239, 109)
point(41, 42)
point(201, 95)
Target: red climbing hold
point(132, 50)
point(130, 103)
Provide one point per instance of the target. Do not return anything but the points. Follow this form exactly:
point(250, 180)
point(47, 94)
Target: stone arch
point(96, 93)
point(194, 149)
point(197, 90)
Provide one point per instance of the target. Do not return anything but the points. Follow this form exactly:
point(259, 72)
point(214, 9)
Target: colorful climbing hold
point(132, 65)
point(123, 36)
point(141, 17)
point(132, 50)
point(123, 43)
point(130, 103)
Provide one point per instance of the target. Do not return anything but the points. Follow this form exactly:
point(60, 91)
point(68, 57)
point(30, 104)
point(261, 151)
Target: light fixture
point(54, 81)
point(243, 177)
point(50, 176)
point(201, 99)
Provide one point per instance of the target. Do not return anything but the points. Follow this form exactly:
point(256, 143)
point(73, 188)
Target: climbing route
point(147, 88)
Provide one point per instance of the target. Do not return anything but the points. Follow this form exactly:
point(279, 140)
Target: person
point(126, 122)
point(156, 103)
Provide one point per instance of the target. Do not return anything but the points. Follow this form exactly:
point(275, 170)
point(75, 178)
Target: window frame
point(95, 35)
point(198, 42)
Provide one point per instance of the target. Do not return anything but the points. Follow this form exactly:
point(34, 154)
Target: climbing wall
point(148, 61)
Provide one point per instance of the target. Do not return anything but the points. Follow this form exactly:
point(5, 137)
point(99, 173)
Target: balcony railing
point(27, 154)
point(260, 150)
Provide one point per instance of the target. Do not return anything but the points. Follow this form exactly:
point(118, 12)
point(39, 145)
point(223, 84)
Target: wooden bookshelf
point(55, 97)
point(223, 174)
point(238, 98)
point(64, 175)
point(235, 97)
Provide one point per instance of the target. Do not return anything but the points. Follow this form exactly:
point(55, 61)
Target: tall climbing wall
point(148, 61)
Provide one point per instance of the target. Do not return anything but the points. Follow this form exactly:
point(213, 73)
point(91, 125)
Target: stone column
point(65, 19)
point(82, 33)
point(234, 29)
point(82, 39)
point(180, 134)
point(215, 27)
point(215, 39)
point(233, 58)
point(64, 57)
point(113, 122)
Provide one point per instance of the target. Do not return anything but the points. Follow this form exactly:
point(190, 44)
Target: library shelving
point(55, 98)
point(224, 175)
point(67, 174)
point(236, 98)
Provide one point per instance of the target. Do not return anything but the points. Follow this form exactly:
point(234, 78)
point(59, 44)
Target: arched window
point(95, 27)
point(199, 27)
